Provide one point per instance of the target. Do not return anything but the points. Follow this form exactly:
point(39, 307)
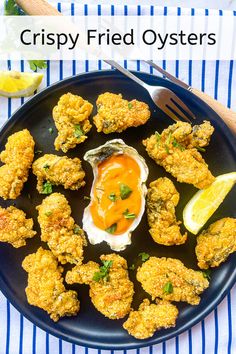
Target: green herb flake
point(112, 228)
point(199, 148)
point(87, 198)
point(168, 138)
point(48, 213)
point(176, 144)
point(77, 230)
point(125, 191)
point(46, 166)
point(130, 105)
point(144, 256)
point(37, 64)
point(168, 288)
point(47, 188)
point(158, 138)
point(11, 8)
point(129, 215)
point(167, 149)
point(113, 197)
point(132, 267)
point(50, 130)
point(103, 273)
point(78, 131)
point(207, 274)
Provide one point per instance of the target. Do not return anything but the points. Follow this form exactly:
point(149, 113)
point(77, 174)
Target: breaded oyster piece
point(45, 286)
point(65, 239)
point(111, 291)
point(176, 149)
point(71, 117)
point(116, 114)
point(215, 244)
point(14, 227)
point(149, 318)
point(162, 198)
point(169, 279)
point(58, 170)
point(17, 158)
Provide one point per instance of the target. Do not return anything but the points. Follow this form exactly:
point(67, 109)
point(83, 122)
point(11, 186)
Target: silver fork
point(164, 98)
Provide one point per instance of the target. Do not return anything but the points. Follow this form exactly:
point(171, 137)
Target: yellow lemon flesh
point(14, 84)
point(205, 202)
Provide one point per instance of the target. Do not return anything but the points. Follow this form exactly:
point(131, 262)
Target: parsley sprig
point(103, 273)
point(144, 256)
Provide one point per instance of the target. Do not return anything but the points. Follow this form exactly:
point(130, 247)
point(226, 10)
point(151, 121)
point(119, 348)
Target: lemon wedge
point(16, 84)
point(205, 202)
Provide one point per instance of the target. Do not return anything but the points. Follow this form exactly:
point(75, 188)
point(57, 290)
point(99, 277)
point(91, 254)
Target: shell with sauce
point(117, 195)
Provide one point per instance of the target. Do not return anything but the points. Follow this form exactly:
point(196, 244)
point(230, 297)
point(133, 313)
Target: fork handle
point(227, 115)
point(38, 8)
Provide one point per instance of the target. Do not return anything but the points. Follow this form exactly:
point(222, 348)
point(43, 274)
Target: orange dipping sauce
point(115, 171)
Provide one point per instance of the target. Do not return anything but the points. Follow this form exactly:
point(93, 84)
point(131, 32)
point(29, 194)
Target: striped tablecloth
point(216, 334)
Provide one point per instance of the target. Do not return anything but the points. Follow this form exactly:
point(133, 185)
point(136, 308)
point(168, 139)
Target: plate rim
point(150, 341)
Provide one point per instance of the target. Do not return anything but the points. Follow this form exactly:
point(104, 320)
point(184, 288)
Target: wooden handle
point(228, 116)
point(38, 8)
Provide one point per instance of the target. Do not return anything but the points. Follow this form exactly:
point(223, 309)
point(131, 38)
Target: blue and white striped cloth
point(216, 333)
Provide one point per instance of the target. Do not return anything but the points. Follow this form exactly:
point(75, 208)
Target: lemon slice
point(16, 84)
point(205, 202)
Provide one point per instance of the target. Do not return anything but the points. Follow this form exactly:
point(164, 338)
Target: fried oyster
point(169, 279)
point(111, 291)
point(162, 198)
point(71, 116)
point(176, 149)
point(58, 170)
point(45, 286)
point(14, 227)
point(65, 239)
point(215, 244)
point(149, 318)
point(116, 114)
point(17, 158)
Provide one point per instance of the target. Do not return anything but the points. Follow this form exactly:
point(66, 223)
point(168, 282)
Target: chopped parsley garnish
point(199, 148)
point(112, 228)
point(125, 191)
point(167, 148)
point(168, 139)
point(207, 274)
point(50, 130)
point(130, 105)
point(113, 197)
point(168, 288)
point(176, 144)
point(103, 271)
point(47, 188)
point(129, 215)
point(144, 256)
point(132, 267)
point(37, 64)
point(158, 137)
point(46, 166)
point(48, 213)
point(78, 131)
point(77, 230)
point(87, 198)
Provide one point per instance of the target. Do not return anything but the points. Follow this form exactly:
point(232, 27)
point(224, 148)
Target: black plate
point(90, 328)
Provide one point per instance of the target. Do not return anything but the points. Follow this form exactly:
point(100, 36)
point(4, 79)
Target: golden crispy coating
point(45, 286)
point(215, 244)
point(71, 116)
point(65, 239)
point(169, 279)
point(112, 296)
point(176, 150)
point(59, 170)
point(116, 114)
point(14, 227)
point(162, 198)
point(149, 318)
point(17, 157)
